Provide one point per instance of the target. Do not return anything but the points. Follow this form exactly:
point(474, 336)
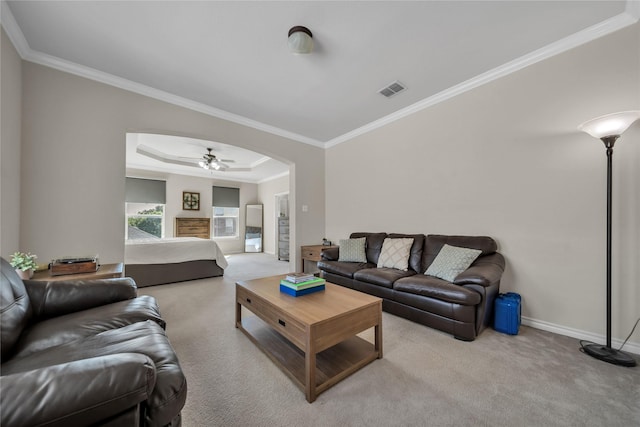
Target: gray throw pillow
point(451, 261)
point(352, 250)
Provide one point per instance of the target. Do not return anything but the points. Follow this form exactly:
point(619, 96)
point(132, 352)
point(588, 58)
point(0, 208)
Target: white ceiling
point(230, 58)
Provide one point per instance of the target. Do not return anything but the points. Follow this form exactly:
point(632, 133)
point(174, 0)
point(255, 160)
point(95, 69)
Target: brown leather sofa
point(85, 353)
point(462, 308)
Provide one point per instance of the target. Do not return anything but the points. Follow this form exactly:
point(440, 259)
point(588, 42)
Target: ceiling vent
point(392, 89)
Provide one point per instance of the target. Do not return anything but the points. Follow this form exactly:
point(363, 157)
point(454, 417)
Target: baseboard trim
point(629, 347)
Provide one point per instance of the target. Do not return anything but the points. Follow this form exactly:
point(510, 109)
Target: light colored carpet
point(425, 378)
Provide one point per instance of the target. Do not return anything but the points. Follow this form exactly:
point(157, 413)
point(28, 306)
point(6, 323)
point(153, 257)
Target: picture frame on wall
point(190, 201)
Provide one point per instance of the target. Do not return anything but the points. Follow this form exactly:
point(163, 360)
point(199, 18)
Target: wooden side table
point(312, 253)
point(105, 271)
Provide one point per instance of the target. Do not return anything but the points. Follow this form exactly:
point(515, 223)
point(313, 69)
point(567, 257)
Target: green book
point(304, 285)
point(306, 282)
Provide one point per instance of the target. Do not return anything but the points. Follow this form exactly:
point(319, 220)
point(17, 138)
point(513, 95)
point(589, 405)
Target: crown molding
point(271, 178)
point(589, 34)
point(12, 29)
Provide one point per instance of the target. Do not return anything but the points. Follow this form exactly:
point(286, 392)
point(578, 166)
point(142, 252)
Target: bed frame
point(159, 274)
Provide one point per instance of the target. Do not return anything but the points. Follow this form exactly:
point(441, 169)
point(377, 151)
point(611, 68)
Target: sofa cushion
point(381, 276)
point(71, 327)
point(430, 286)
point(148, 338)
point(373, 246)
point(435, 242)
point(451, 261)
point(352, 250)
point(395, 253)
point(415, 256)
point(343, 268)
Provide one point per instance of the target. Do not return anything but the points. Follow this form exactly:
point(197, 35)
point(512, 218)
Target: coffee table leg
point(238, 314)
point(378, 339)
point(310, 370)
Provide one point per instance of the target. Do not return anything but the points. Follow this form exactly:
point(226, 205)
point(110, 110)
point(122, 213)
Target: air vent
point(392, 89)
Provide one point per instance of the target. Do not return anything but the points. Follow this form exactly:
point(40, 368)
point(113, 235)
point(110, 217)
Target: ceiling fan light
point(610, 125)
point(300, 40)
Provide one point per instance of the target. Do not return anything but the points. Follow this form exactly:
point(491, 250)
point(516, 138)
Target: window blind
point(140, 190)
point(226, 197)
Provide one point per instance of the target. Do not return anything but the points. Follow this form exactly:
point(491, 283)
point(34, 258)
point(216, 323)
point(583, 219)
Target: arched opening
point(180, 161)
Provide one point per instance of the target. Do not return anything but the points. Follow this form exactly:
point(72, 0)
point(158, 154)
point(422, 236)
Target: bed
point(159, 261)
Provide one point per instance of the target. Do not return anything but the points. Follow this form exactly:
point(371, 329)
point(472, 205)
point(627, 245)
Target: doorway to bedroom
point(184, 165)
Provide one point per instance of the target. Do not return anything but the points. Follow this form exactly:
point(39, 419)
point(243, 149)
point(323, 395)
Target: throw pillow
point(352, 250)
point(395, 253)
point(451, 261)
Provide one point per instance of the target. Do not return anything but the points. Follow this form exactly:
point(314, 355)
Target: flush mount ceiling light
point(300, 40)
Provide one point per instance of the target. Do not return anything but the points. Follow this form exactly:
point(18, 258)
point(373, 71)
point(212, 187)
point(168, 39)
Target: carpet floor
point(426, 378)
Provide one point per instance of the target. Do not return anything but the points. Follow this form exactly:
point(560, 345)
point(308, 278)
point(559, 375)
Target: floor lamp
point(609, 128)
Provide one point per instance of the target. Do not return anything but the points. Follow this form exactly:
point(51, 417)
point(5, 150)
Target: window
point(225, 222)
point(145, 220)
point(145, 201)
point(226, 212)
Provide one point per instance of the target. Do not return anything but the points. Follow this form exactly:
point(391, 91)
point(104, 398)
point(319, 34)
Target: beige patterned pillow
point(353, 250)
point(395, 253)
point(451, 261)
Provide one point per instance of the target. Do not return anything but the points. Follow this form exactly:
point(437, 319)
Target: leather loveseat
point(462, 307)
point(85, 353)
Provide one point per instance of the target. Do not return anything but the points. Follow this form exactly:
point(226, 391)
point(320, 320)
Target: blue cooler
point(507, 313)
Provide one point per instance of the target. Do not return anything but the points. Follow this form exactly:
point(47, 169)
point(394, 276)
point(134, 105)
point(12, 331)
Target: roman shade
point(226, 197)
point(138, 190)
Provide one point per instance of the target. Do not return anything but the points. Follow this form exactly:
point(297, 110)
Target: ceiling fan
point(210, 161)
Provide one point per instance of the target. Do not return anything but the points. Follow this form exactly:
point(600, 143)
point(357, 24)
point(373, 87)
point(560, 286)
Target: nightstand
point(105, 271)
point(312, 253)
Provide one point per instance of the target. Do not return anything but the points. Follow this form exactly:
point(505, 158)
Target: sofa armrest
point(484, 271)
point(82, 392)
point(330, 254)
point(51, 299)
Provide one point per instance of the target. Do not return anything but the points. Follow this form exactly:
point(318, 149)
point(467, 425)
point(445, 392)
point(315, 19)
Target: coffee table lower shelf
point(332, 364)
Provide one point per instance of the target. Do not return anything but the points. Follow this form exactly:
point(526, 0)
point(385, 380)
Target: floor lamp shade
point(610, 125)
point(609, 128)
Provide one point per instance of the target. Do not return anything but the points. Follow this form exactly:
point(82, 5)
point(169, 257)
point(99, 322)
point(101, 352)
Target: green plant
point(24, 261)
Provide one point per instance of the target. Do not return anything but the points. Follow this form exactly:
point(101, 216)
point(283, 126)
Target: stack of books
point(297, 284)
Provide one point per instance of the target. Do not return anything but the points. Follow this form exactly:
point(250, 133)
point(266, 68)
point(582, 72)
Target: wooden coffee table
point(312, 338)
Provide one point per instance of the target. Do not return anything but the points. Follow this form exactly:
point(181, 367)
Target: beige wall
point(74, 140)
point(10, 122)
point(506, 160)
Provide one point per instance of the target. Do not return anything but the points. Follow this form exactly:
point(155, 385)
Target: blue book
point(295, 293)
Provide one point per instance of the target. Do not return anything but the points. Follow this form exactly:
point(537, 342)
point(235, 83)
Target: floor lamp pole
point(608, 129)
point(606, 353)
point(608, 142)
